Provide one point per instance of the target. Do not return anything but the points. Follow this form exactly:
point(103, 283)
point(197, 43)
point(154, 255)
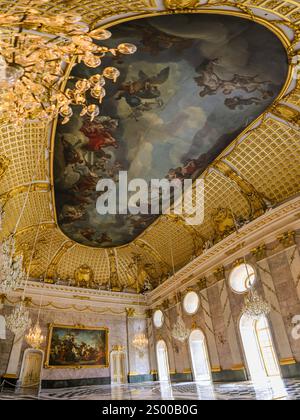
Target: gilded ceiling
point(258, 170)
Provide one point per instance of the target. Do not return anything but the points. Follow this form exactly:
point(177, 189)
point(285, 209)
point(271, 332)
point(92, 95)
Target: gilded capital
point(130, 312)
point(202, 283)
point(219, 273)
point(287, 239)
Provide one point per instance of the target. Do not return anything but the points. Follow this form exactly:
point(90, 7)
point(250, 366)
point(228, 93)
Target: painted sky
point(196, 82)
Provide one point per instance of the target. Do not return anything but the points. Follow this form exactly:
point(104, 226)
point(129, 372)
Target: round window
point(158, 318)
point(242, 278)
point(191, 303)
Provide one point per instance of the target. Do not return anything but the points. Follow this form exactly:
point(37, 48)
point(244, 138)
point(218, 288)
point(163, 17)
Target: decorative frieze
point(287, 239)
point(219, 273)
point(202, 284)
point(260, 252)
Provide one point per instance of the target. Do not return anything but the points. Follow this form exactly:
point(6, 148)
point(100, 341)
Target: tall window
point(162, 361)
point(259, 348)
point(266, 347)
point(199, 355)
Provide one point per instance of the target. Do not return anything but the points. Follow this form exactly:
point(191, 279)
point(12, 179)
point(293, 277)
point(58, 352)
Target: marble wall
point(5, 345)
point(138, 364)
point(278, 280)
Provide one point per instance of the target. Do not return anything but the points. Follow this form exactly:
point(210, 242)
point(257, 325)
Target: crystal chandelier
point(180, 332)
point(140, 342)
point(37, 49)
point(12, 272)
point(34, 337)
point(19, 320)
point(255, 306)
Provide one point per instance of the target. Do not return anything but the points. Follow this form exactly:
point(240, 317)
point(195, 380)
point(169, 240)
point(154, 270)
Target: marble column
point(293, 256)
point(229, 325)
point(12, 370)
point(138, 362)
point(169, 341)
point(152, 357)
point(209, 331)
point(284, 282)
point(219, 328)
point(280, 334)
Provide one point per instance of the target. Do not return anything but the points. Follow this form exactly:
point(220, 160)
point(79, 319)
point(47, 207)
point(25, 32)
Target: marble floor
point(271, 390)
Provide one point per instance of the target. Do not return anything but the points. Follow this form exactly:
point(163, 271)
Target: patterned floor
point(275, 390)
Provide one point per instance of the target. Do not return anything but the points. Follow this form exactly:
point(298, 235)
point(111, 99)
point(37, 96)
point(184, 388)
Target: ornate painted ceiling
point(194, 84)
point(258, 170)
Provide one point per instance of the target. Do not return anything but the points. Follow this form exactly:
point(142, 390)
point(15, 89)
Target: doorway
point(31, 370)
point(118, 367)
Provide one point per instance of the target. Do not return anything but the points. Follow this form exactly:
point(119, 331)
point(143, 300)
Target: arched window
point(162, 361)
point(259, 348)
point(191, 303)
point(242, 278)
point(199, 355)
point(2, 328)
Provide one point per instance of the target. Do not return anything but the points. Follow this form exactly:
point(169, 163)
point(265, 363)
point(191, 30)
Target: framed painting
point(77, 347)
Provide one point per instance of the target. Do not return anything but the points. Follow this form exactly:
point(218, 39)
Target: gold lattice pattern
point(78, 256)
point(269, 158)
point(25, 148)
point(220, 192)
point(37, 211)
point(90, 10)
point(167, 235)
point(49, 243)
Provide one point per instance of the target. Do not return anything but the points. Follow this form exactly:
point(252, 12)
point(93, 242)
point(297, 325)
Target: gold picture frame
point(76, 333)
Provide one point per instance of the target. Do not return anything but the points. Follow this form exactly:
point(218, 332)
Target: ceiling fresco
point(195, 83)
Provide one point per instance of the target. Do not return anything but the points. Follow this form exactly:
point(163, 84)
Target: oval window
point(158, 318)
point(242, 278)
point(191, 303)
